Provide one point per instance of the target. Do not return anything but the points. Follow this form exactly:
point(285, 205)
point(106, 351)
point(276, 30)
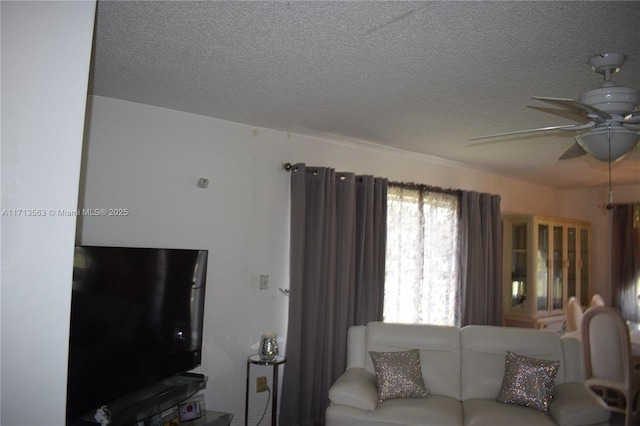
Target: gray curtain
point(338, 241)
point(625, 262)
point(480, 259)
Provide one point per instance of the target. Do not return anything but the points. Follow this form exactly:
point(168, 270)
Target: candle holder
point(268, 347)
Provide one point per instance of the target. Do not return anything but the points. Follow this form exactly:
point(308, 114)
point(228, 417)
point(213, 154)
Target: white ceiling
point(418, 76)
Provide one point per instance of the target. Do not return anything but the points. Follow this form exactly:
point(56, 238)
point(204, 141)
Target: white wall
point(45, 63)
point(149, 159)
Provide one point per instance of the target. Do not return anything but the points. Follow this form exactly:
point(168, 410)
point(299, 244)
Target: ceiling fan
point(608, 116)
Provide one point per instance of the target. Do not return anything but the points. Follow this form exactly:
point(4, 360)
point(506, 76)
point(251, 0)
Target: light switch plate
point(264, 282)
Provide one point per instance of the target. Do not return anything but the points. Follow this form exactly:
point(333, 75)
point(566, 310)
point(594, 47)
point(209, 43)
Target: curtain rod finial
point(287, 167)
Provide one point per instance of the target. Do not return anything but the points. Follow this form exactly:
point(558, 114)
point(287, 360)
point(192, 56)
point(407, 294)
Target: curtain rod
point(288, 167)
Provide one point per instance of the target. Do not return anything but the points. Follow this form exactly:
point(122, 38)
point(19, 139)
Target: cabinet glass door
point(584, 267)
point(572, 270)
point(519, 264)
point(558, 268)
point(542, 274)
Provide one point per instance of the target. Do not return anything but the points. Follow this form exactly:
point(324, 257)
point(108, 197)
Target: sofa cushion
point(484, 412)
point(528, 381)
point(434, 411)
point(439, 352)
point(357, 353)
point(483, 349)
point(398, 374)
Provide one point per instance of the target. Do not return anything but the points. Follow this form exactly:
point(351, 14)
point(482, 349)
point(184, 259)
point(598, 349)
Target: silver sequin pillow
point(398, 375)
point(528, 381)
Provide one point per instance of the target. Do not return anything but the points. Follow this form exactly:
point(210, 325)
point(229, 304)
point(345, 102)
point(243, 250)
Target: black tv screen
point(136, 318)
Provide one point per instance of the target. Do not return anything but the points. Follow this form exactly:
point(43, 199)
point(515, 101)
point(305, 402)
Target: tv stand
point(151, 401)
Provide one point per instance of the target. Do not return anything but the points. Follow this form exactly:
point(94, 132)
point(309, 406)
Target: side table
point(255, 359)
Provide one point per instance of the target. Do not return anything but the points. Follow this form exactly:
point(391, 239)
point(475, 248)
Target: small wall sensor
point(203, 182)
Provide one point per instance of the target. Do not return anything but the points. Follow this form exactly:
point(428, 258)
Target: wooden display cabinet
point(545, 260)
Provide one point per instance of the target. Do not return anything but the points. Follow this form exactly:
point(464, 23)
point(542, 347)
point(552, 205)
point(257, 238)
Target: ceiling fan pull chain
point(610, 205)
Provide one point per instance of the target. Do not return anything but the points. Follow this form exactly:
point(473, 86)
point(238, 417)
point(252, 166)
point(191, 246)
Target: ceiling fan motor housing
point(614, 100)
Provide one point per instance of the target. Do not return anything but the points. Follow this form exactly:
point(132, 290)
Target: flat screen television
point(136, 319)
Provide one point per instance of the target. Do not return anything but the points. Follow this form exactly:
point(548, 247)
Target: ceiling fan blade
point(567, 127)
point(571, 115)
point(578, 107)
point(631, 126)
point(634, 117)
point(574, 152)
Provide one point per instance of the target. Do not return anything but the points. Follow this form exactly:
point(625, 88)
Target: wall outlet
point(261, 384)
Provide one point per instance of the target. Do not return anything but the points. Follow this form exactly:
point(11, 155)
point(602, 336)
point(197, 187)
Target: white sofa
point(463, 371)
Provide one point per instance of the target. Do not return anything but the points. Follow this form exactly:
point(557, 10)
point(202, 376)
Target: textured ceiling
point(418, 76)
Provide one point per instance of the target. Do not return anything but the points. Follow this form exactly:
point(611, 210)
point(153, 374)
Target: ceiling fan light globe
point(614, 100)
point(596, 144)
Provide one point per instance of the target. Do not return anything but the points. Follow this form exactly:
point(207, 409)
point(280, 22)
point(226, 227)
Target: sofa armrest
point(573, 357)
point(356, 387)
point(575, 404)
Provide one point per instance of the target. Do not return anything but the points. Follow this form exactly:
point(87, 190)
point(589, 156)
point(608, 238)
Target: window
point(422, 262)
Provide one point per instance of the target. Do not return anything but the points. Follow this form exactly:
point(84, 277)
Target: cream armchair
point(608, 360)
point(573, 315)
point(597, 300)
